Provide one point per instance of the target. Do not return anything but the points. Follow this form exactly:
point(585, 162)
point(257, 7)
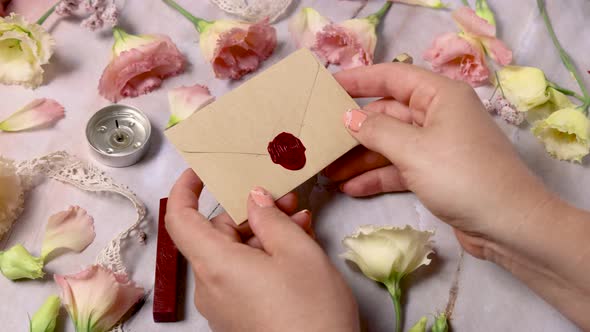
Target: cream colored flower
point(386, 254)
point(524, 87)
point(557, 101)
point(11, 195)
point(24, 48)
point(45, 318)
point(565, 134)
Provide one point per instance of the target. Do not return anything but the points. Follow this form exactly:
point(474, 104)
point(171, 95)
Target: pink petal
point(340, 46)
point(497, 50)
point(32, 10)
point(3, 5)
point(458, 58)
point(98, 297)
point(141, 70)
point(184, 101)
point(470, 23)
point(38, 113)
point(240, 51)
point(71, 229)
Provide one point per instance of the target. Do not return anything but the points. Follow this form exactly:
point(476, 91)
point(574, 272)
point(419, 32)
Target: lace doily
point(65, 168)
point(254, 10)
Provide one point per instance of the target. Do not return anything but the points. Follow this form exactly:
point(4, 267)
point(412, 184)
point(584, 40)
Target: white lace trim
point(68, 169)
point(254, 10)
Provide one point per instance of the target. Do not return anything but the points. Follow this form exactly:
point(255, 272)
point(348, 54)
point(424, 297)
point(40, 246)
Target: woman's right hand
point(432, 135)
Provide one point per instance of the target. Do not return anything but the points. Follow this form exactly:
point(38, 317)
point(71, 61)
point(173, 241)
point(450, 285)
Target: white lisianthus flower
point(423, 3)
point(387, 254)
point(24, 48)
point(565, 134)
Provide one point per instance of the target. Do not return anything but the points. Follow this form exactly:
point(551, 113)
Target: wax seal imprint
point(287, 151)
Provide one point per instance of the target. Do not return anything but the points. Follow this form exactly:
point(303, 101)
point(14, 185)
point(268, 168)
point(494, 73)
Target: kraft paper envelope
point(226, 142)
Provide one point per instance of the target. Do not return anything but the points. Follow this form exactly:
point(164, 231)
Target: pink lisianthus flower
point(96, 298)
point(349, 44)
point(458, 57)
point(139, 65)
point(233, 48)
point(461, 56)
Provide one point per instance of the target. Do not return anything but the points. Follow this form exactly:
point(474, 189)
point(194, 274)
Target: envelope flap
point(247, 118)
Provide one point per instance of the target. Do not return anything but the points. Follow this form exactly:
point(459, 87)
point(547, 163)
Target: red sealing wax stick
point(167, 273)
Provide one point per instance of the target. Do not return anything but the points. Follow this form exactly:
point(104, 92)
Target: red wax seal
point(287, 151)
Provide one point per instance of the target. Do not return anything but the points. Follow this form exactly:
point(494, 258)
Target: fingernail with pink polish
point(261, 197)
point(353, 119)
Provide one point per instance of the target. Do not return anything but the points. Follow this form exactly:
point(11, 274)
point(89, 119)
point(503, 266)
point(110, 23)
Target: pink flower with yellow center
point(96, 298)
point(139, 65)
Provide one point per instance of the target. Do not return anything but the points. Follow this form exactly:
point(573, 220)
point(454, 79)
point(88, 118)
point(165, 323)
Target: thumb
point(381, 133)
point(275, 230)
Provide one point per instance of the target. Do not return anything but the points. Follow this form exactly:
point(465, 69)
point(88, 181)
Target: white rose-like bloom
point(24, 48)
point(11, 195)
point(386, 254)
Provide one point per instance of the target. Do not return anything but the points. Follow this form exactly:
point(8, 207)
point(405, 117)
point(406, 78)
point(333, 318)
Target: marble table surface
point(489, 298)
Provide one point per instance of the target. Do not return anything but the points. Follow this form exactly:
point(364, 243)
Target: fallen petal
point(184, 101)
point(38, 113)
point(72, 229)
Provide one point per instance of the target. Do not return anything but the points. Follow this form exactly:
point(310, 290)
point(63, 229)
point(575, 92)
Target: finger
point(382, 180)
point(353, 163)
point(192, 233)
point(243, 232)
point(391, 107)
point(408, 84)
point(275, 230)
point(301, 218)
point(185, 192)
point(383, 134)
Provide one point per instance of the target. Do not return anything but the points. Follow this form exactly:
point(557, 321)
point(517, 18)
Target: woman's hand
point(432, 135)
point(266, 275)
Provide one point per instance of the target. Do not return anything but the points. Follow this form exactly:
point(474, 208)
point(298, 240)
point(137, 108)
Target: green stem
point(48, 13)
point(199, 23)
point(499, 84)
point(465, 3)
point(566, 92)
point(396, 293)
point(565, 58)
point(376, 17)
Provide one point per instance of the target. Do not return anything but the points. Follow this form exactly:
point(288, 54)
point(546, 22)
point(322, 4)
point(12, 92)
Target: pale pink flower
point(349, 44)
point(139, 65)
point(72, 229)
point(184, 101)
point(236, 48)
point(480, 29)
point(97, 298)
point(462, 56)
point(458, 57)
point(38, 113)
point(511, 115)
point(305, 25)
